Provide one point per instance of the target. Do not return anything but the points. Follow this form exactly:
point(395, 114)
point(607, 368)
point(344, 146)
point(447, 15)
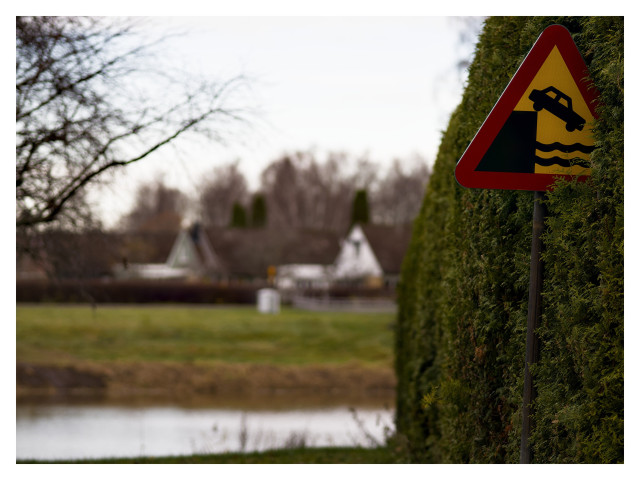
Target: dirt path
point(179, 381)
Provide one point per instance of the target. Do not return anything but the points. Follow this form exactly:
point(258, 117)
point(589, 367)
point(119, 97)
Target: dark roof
point(250, 251)
point(242, 251)
point(205, 251)
point(389, 243)
point(148, 247)
point(68, 254)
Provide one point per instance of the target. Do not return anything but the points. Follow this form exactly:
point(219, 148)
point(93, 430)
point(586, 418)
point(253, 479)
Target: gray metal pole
point(533, 322)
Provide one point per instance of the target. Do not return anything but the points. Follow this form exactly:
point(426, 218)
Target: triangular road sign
point(540, 128)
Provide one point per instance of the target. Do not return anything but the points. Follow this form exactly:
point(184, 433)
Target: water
point(66, 432)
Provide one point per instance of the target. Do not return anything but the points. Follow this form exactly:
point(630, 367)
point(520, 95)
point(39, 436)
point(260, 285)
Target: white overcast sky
point(381, 86)
point(352, 76)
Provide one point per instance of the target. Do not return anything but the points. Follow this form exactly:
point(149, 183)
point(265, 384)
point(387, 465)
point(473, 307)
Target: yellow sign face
point(564, 140)
point(540, 130)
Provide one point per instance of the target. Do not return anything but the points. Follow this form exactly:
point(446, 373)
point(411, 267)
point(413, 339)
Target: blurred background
point(173, 171)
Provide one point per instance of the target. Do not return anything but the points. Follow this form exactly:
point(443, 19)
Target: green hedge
point(464, 289)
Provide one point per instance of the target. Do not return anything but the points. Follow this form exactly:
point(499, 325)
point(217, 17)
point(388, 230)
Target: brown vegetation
point(180, 381)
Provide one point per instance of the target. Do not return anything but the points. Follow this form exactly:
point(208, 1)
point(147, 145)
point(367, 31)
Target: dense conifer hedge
point(464, 289)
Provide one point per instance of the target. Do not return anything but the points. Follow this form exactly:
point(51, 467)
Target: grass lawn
point(200, 335)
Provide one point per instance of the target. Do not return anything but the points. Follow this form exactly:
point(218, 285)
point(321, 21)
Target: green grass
point(296, 455)
point(202, 335)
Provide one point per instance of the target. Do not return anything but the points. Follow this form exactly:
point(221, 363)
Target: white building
point(303, 276)
point(372, 255)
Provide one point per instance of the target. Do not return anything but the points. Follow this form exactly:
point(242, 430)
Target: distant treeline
point(464, 287)
point(299, 190)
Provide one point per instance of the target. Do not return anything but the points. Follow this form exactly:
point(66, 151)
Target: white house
point(301, 276)
point(191, 256)
point(369, 255)
point(192, 251)
point(372, 255)
point(356, 261)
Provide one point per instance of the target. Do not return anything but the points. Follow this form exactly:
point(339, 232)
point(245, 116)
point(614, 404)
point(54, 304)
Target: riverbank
point(169, 357)
point(179, 352)
point(123, 381)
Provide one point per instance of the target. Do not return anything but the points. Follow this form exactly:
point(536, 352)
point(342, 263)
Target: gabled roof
point(389, 243)
point(192, 249)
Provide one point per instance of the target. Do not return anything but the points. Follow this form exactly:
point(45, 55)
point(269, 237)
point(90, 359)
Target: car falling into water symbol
point(559, 104)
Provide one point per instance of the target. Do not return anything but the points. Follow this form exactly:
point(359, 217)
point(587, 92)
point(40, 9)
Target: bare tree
point(225, 186)
point(398, 196)
point(157, 208)
point(303, 192)
point(281, 184)
point(85, 105)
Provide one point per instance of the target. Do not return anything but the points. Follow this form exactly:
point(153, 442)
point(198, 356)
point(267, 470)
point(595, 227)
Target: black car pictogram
point(559, 104)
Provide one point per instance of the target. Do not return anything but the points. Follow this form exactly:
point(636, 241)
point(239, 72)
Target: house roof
point(250, 251)
point(389, 243)
point(147, 247)
point(236, 251)
point(208, 258)
point(244, 252)
point(67, 254)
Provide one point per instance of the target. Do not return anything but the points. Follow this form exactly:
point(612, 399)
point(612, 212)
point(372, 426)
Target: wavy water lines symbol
point(574, 154)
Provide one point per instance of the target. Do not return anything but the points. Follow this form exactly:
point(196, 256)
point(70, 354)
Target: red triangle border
point(465, 173)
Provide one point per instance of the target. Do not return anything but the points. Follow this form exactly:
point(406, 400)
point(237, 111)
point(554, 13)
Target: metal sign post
point(534, 315)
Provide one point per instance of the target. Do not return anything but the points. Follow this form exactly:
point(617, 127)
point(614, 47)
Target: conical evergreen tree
point(238, 216)
point(360, 211)
point(258, 211)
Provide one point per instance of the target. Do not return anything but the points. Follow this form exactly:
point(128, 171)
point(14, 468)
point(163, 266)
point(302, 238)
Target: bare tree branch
point(76, 115)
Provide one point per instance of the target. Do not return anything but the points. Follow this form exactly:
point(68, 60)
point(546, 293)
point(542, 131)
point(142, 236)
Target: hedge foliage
point(460, 341)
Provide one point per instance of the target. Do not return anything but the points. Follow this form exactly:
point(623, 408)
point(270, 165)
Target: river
point(47, 431)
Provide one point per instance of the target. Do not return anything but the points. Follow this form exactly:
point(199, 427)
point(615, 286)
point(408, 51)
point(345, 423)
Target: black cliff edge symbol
point(514, 148)
point(559, 104)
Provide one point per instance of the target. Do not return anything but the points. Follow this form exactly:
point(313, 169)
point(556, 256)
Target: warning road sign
point(540, 128)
